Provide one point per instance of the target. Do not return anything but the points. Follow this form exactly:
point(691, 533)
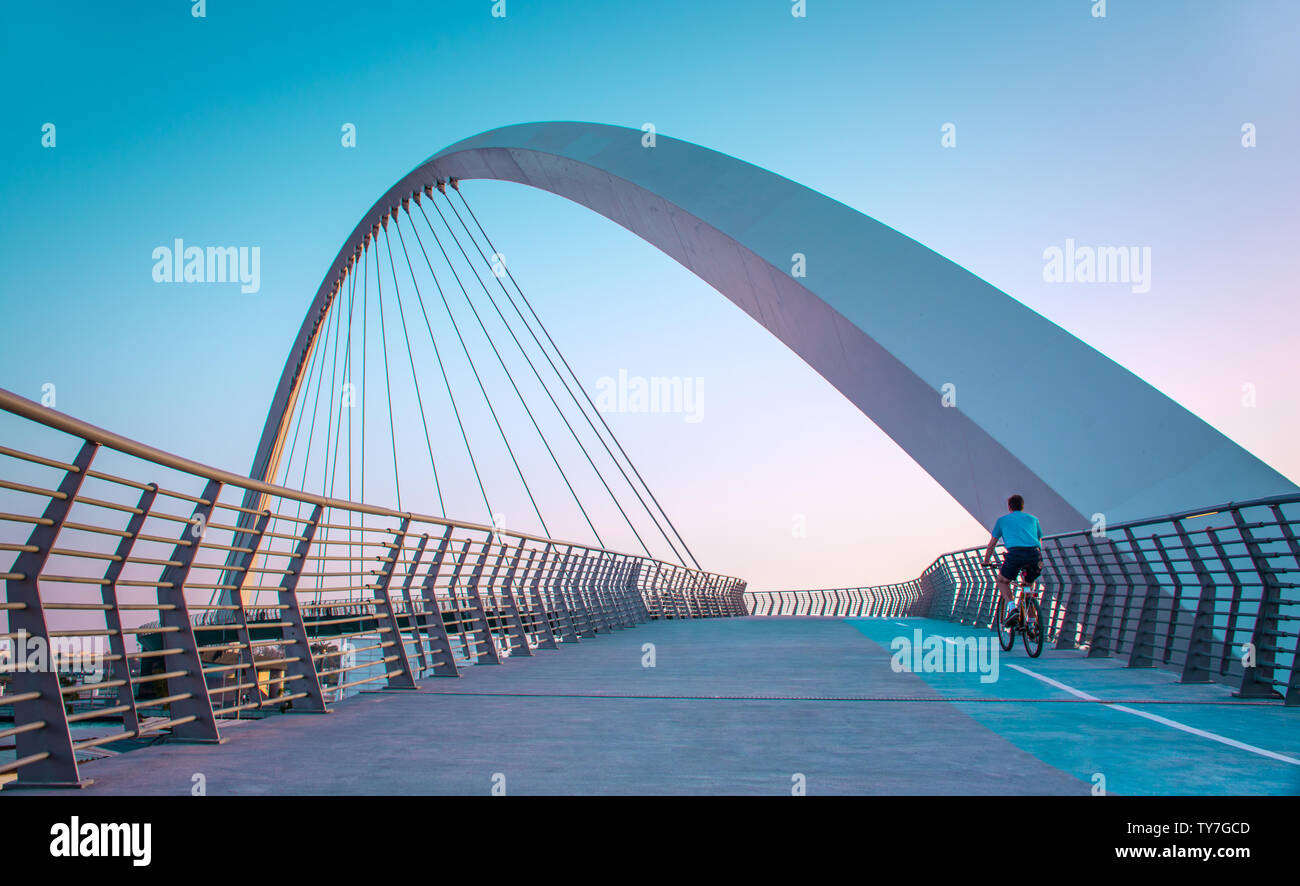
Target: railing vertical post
point(454, 597)
point(239, 566)
point(609, 584)
point(514, 620)
point(1175, 605)
point(530, 614)
point(560, 584)
point(299, 646)
point(1144, 635)
point(689, 579)
point(537, 590)
point(585, 589)
point(963, 591)
point(1103, 634)
point(646, 586)
point(1126, 573)
point(191, 703)
point(650, 592)
point(600, 590)
point(580, 582)
point(966, 591)
point(1053, 597)
point(1293, 684)
point(675, 590)
point(627, 578)
point(485, 650)
point(435, 629)
point(635, 588)
point(53, 737)
point(1090, 576)
point(113, 616)
point(715, 604)
point(1067, 635)
point(989, 595)
point(699, 594)
point(412, 617)
point(404, 676)
point(614, 588)
point(688, 594)
point(572, 590)
point(1257, 682)
point(1195, 663)
point(1234, 603)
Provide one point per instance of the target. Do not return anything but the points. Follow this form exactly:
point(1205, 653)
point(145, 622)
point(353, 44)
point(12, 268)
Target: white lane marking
point(1164, 721)
point(902, 624)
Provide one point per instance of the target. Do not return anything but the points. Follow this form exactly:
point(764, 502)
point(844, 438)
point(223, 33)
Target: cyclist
point(1023, 536)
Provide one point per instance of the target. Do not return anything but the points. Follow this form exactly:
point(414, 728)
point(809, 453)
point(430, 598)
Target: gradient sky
point(225, 131)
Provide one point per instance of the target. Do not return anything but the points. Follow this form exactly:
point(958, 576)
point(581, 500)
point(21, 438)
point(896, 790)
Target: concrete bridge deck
point(739, 706)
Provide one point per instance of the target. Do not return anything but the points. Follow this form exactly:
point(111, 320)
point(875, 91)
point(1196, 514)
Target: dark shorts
point(1026, 560)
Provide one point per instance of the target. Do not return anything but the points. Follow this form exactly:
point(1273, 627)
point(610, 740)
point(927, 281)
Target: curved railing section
point(879, 601)
point(136, 605)
point(1211, 593)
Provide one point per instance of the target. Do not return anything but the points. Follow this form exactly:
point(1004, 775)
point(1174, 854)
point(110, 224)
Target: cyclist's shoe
point(1013, 619)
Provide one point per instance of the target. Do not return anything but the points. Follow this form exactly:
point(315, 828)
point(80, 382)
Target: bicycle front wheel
point(1006, 636)
point(1032, 629)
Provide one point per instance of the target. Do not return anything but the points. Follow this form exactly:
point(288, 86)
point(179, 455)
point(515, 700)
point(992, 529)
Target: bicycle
point(1027, 623)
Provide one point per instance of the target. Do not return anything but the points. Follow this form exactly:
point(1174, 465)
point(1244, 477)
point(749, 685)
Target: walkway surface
point(754, 706)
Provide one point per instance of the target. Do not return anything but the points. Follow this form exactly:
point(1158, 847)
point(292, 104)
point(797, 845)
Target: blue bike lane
point(1129, 731)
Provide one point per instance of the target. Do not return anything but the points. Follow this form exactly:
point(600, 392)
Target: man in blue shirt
point(1023, 536)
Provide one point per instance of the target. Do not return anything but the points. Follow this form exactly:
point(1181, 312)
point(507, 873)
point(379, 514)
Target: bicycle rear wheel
point(1031, 628)
point(1006, 636)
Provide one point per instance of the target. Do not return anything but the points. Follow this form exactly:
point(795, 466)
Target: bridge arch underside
point(887, 321)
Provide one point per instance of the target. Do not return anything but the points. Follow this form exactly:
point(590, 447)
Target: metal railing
point(1210, 592)
point(191, 609)
point(879, 601)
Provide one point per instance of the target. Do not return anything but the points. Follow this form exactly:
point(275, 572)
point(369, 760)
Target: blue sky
point(225, 130)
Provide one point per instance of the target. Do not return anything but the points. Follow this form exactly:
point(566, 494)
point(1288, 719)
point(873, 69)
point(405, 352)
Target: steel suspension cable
point(329, 427)
point(522, 400)
point(488, 400)
point(311, 430)
point(335, 434)
point(419, 399)
point(577, 381)
point(350, 387)
point(538, 376)
point(388, 388)
point(437, 352)
point(282, 469)
point(365, 310)
point(317, 360)
point(581, 409)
